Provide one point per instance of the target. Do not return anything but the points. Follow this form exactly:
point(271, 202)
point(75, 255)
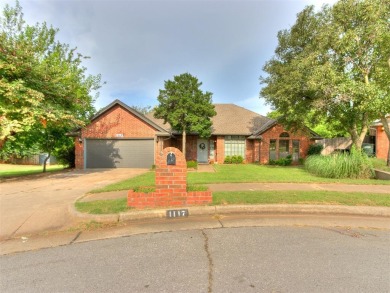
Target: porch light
point(80, 140)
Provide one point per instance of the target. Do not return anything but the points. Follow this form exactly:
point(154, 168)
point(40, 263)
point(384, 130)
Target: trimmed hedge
point(233, 160)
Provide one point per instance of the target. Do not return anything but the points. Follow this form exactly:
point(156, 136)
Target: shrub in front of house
point(233, 160)
point(315, 149)
point(228, 160)
point(192, 164)
point(237, 160)
point(281, 162)
point(354, 165)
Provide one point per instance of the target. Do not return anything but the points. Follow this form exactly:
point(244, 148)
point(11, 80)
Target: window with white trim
point(235, 145)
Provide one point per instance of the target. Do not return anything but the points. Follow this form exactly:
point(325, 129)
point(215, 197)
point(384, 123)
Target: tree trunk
point(387, 131)
point(44, 163)
point(183, 147)
point(2, 142)
point(357, 138)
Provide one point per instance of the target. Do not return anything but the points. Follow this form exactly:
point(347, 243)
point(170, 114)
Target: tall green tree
point(322, 128)
point(185, 107)
point(332, 63)
point(43, 84)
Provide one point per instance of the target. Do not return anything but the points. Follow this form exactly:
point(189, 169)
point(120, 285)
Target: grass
point(146, 179)
point(270, 174)
point(112, 206)
point(353, 165)
point(257, 197)
point(240, 174)
point(301, 197)
point(380, 164)
point(10, 170)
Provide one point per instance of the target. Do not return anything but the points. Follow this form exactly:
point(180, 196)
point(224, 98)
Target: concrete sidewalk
point(300, 186)
point(263, 187)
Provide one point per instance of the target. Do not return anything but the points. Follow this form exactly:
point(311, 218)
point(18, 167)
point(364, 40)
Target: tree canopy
point(43, 84)
point(322, 128)
point(185, 107)
point(334, 64)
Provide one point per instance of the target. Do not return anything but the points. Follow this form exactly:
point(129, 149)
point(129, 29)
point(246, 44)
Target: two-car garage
point(118, 153)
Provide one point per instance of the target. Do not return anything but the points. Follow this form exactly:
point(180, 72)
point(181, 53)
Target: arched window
point(284, 135)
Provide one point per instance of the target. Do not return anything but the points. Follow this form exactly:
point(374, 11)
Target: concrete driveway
point(37, 204)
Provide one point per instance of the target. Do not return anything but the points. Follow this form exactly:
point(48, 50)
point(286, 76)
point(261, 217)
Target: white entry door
point(203, 150)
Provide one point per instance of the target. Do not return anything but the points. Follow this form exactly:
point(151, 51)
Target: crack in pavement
point(345, 231)
point(13, 233)
point(210, 262)
point(75, 238)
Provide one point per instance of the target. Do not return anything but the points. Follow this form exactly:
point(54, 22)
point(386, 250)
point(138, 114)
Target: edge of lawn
point(16, 174)
point(223, 198)
point(194, 178)
point(199, 180)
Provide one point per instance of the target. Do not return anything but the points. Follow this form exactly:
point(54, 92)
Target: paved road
point(246, 259)
point(41, 203)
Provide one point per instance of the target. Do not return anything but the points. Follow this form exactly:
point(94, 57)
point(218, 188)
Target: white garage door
point(119, 153)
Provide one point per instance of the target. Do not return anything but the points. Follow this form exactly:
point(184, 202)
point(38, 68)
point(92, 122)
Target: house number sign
point(177, 213)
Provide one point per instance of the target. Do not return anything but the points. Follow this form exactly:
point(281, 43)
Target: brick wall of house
point(249, 151)
point(381, 144)
point(116, 121)
point(220, 149)
point(274, 133)
point(191, 148)
point(258, 151)
point(79, 154)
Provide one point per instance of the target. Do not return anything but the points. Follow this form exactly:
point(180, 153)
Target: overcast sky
point(137, 45)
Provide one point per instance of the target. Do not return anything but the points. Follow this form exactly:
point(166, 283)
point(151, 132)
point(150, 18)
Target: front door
point(203, 150)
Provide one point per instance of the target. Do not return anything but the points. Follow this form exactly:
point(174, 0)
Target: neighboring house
point(119, 136)
point(381, 140)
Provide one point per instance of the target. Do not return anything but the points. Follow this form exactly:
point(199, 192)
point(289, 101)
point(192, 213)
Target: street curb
point(306, 209)
point(109, 218)
point(237, 209)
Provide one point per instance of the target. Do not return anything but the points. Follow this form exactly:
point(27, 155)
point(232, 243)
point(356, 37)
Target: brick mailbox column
point(171, 185)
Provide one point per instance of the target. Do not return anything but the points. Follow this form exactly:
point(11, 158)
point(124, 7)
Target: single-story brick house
point(119, 136)
point(381, 140)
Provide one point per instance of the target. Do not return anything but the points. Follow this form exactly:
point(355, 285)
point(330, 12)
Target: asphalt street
point(242, 259)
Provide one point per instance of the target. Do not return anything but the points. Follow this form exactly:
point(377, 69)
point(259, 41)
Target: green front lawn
point(10, 170)
point(301, 197)
point(257, 197)
point(263, 173)
point(240, 174)
point(112, 206)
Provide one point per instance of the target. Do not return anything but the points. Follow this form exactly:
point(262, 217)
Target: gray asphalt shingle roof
point(230, 120)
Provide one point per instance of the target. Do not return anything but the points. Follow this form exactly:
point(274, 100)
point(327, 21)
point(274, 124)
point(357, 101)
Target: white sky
point(137, 45)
